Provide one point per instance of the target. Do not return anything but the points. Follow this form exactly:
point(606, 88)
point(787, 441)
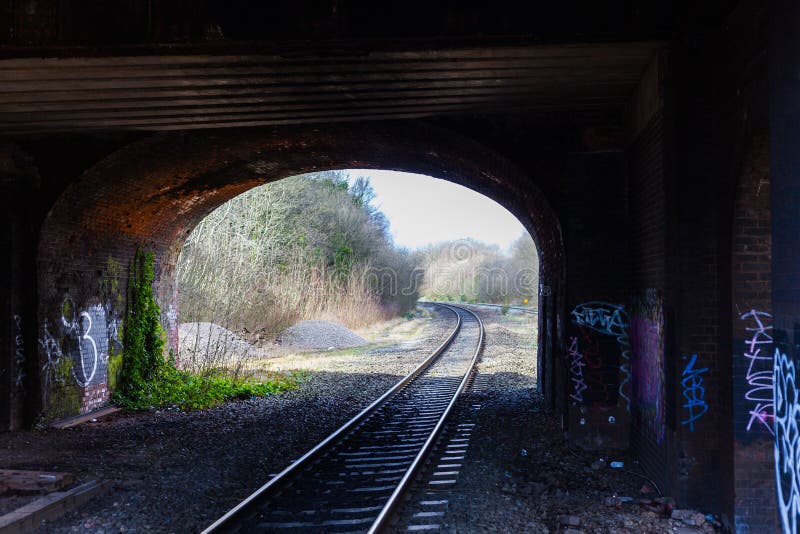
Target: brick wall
point(598, 274)
point(18, 365)
point(751, 297)
point(647, 232)
point(784, 162)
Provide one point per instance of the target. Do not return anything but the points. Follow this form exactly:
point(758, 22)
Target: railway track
point(521, 309)
point(353, 480)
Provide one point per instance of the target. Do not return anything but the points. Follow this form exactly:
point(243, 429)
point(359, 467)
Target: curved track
point(352, 481)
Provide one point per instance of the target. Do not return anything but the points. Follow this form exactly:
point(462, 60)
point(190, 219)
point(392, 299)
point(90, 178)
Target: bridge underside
point(636, 145)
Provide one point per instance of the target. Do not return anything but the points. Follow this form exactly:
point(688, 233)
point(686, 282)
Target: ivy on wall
point(143, 338)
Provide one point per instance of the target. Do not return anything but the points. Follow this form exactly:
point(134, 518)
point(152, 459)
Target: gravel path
point(519, 475)
point(178, 471)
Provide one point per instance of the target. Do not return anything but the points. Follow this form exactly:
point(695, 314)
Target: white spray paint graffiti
point(172, 316)
point(759, 377)
point(113, 329)
point(576, 370)
point(92, 350)
point(52, 353)
point(19, 352)
point(87, 336)
point(609, 319)
point(787, 441)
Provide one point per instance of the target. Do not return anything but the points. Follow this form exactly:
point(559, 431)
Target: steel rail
point(228, 521)
point(394, 499)
point(523, 309)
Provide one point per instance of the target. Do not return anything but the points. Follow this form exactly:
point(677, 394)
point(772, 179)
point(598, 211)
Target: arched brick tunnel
point(655, 164)
point(151, 194)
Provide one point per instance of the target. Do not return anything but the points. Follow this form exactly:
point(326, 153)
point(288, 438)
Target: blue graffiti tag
point(693, 392)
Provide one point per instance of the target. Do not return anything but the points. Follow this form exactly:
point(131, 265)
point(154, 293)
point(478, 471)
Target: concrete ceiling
point(166, 91)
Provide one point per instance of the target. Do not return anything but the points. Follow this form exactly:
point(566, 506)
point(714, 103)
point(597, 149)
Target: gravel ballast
point(177, 471)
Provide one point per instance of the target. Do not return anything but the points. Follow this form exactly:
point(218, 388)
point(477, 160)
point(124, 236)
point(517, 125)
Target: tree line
point(308, 246)
point(315, 246)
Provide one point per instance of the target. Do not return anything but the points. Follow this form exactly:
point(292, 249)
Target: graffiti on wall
point(693, 392)
point(52, 358)
point(787, 440)
point(611, 320)
point(647, 342)
point(601, 379)
point(577, 364)
point(19, 352)
point(760, 364)
point(83, 336)
point(88, 333)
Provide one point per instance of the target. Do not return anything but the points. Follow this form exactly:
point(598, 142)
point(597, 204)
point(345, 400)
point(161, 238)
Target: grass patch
point(184, 390)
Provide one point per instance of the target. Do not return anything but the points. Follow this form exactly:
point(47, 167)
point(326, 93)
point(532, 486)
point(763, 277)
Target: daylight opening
point(341, 262)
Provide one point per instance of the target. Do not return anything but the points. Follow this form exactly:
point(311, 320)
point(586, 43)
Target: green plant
point(143, 337)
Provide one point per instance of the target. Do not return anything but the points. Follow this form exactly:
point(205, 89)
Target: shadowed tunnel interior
point(649, 150)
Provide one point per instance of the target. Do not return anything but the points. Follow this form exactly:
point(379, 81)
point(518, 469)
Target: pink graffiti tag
point(576, 370)
point(760, 372)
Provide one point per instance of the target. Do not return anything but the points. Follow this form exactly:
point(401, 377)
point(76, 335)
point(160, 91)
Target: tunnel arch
point(153, 192)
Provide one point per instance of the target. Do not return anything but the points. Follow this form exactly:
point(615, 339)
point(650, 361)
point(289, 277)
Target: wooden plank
point(29, 517)
point(183, 99)
point(313, 78)
point(21, 481)
point(113, 97)
point(78, 419)
point(54, 75)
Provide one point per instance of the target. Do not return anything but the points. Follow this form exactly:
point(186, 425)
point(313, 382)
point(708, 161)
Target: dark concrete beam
point(177, 92)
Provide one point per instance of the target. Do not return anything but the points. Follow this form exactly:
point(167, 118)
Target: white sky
point(423, 210)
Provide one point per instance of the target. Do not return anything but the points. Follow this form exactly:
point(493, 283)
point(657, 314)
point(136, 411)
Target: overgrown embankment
point(306, 247)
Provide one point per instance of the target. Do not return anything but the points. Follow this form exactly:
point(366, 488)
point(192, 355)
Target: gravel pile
point(320, 335)
point(209, 341)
